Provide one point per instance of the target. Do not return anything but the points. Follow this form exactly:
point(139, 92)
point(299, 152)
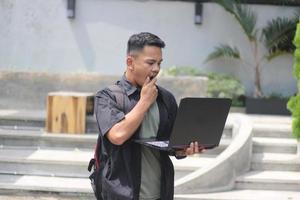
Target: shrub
point(225, 86)
point(182, 71)
point(294, 102)
point(219, 85)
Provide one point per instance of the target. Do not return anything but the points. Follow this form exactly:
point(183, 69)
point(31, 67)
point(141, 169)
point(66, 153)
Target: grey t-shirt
point(150, 162)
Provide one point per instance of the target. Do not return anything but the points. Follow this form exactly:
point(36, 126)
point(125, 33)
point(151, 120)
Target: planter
point(266, 106)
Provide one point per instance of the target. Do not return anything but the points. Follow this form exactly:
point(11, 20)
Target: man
point(131, 170)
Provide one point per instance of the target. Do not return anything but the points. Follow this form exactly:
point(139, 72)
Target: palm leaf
point(278, 35)
point(243, 14)
point(228, 5)
point(225, 51)
point(297, 14)
point(247, 19)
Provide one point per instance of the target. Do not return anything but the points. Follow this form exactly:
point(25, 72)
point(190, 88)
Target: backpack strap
point(121, 101)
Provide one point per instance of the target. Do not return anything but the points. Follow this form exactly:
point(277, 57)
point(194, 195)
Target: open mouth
point(152, 77)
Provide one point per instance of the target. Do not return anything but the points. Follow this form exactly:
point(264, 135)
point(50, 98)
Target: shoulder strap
point(120, 98)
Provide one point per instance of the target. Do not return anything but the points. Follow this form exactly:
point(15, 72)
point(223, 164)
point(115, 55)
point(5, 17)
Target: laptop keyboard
point(159, 143)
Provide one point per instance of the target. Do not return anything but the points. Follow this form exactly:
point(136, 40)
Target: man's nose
point(156, 68)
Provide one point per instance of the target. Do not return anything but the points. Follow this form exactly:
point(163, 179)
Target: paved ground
point(41, 196)
point(34, 198)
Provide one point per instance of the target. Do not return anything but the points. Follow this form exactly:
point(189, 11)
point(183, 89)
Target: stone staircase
point(274, 164)
point(34, 161)
point(275, 170)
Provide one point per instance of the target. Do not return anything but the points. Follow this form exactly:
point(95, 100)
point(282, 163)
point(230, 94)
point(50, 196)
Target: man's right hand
point(124, 129)
point(149, 91)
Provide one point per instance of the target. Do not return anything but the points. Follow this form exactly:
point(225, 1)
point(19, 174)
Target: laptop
point(198, 119)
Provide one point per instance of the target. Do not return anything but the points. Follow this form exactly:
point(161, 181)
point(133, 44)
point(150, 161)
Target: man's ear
point(129, 62)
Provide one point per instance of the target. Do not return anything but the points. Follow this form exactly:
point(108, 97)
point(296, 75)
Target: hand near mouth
point(152, 77)
point(149, 91)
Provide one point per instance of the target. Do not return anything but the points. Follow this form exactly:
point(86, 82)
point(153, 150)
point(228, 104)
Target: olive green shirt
point(150, 162)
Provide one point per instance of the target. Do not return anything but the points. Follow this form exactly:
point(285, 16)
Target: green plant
point(276, 36)
point(219, 85)
point(294, 102)
point(225, 86)
point(181, 71)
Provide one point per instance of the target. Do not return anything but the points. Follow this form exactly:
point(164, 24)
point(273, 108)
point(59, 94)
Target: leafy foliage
point(294, 102)
point(243, 14)
point(219, 85)
point(181, 71)
point(225, 86)
point(294, 106)
point(247, 19)
point(278, 36)
point(224, 50)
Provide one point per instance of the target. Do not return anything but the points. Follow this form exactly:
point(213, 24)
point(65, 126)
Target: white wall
point(36, 35)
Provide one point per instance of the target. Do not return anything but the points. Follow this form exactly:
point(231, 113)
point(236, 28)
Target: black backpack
point(95, 163)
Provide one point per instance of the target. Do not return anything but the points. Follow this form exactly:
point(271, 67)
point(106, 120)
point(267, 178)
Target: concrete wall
point(29, 90)
point(36, 35)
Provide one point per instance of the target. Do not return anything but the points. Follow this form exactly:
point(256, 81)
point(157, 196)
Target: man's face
point(146, 63)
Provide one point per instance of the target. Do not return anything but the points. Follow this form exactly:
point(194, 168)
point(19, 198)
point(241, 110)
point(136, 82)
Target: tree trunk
point(257, 92)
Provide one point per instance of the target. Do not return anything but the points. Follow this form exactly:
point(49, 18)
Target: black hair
point(138, 41)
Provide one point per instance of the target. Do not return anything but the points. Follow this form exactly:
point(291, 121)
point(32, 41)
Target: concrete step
point(243, 195)
point(269, 180)
point(45, 184)
point(45, 162)
point(70, 162)
point(275, 161)
point(270, 119)
point(191, 163)
point(32, 195)
point(38, 138)
point(272, 130)
point(274, 145)
point(40, 178)
point(36, 118)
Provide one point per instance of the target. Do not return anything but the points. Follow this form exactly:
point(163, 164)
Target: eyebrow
point(150, 59)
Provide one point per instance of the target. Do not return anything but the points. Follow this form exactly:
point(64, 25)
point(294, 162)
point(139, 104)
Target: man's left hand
point(192, 149)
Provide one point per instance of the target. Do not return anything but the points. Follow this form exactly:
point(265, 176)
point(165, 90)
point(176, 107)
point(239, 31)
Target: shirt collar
point(129, 88)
